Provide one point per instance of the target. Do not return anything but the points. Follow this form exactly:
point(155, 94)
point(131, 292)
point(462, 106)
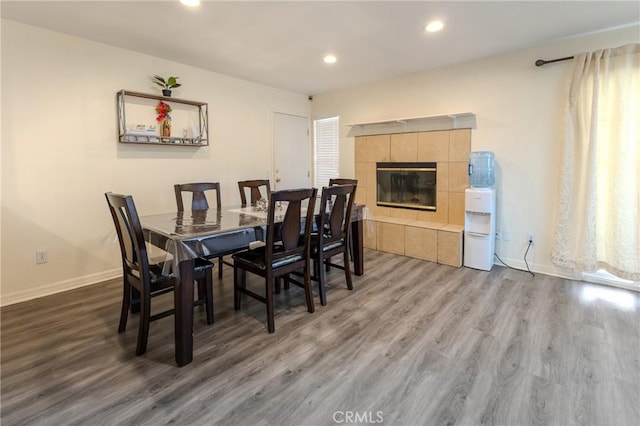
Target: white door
point(291, 165)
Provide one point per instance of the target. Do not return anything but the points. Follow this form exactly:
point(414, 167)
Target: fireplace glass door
point(406, 185)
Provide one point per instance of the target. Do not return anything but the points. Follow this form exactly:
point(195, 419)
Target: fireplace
point(406, 185)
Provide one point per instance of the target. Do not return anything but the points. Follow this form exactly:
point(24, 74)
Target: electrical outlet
point(41, 257)
point(498, 234)
point(530, 239)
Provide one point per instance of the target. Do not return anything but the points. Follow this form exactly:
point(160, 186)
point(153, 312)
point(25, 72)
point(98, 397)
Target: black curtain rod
point(541, 62)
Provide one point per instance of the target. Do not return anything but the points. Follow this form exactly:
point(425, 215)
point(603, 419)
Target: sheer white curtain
point(599, 218)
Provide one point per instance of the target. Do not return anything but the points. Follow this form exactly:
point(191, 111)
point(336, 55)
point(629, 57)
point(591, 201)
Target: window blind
point(326, 152)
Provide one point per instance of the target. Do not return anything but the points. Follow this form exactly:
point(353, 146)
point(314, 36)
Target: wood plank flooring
point(415, 343)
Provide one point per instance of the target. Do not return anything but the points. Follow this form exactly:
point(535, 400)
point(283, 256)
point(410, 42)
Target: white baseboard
point(566, 273)
point(49, 289)
point(554, 271)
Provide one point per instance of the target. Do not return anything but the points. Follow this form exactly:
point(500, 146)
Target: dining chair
point(198, 197)
point(254, 187)
point(199, 202)
point(143, 280)
point(282, 253)
point(332, 236)
point(345, 181)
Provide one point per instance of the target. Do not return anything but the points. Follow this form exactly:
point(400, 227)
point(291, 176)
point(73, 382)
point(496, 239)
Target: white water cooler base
point(477, 252)
point(479, 227)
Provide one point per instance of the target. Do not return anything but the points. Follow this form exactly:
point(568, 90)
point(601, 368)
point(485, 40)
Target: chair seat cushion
point(157, 277)
point(326, 247)
point(160, 283)
point(256, 258)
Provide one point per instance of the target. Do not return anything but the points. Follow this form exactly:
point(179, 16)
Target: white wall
point(60, 153)
point(519, 117)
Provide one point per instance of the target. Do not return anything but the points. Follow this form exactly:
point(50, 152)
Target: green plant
point(169, 83)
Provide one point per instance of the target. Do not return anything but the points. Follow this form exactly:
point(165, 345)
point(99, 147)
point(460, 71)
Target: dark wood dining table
point(212, 233)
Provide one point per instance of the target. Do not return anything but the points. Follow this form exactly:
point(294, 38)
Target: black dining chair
point(345, 181)
point(198, 196)
point(199, 202)
point(142, 280)
point(332, 236)
point(254, 187)
point(282, 253)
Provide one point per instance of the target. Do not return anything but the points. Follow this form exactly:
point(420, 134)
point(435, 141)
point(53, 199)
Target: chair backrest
point(198, 197)
point(135, 262)
point(285, 226)
point(254, 186)
point(335, 213)
point(344, 181)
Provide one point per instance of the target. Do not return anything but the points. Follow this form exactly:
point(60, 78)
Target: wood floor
point(415, 343)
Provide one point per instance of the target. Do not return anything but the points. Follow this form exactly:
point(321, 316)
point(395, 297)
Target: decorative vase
point(165, 128)
point(166, 92)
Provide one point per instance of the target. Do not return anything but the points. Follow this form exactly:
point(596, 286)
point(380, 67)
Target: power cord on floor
point(525, 261)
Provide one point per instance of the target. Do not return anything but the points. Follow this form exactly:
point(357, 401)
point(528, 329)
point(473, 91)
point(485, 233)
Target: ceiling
point(281, 44)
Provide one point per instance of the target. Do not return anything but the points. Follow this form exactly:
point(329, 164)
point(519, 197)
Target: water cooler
point(480, 212)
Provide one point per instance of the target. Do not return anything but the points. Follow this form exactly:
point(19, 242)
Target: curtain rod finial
point(540, 62)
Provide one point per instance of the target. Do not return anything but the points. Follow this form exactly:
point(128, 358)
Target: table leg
point(183, 295)
point(357, 234)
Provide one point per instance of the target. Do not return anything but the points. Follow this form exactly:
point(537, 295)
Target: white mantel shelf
point(465, 120)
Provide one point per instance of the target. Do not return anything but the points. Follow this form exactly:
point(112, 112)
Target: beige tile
point(433, 146)
point(421, 243)
point(428, 225)
point(442, 207)
point(450, 248)
point(378, 211)
point(378, 148)
point(381, 218)
point(370, 171)
point(360, 149)
point(361, 196)
point(396, 220)
point(374, 210)
point(371, 195)
point(456, 208)
point(460, 145)
point(453, 228)
point(458, 176)
point(442, 176)
point(432, 217)
point(373, 205)
point(405, 213)
point(441, 214)
point(404, 147)
point(369, 240)
point(361, 174)
point(390, 238)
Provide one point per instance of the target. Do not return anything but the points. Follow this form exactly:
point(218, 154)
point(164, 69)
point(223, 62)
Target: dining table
point(188, 235)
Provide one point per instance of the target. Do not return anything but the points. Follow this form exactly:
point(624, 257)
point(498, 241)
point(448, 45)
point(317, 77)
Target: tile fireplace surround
point(434, 236)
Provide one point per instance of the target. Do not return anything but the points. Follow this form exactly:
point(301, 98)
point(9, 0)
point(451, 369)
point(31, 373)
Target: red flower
point(163, 110)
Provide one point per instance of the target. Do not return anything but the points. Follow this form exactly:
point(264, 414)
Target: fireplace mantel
point(465, 120)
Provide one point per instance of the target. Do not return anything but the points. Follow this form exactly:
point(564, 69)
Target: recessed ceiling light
point(434, 26)
point(190, 3)
point(330, 59)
